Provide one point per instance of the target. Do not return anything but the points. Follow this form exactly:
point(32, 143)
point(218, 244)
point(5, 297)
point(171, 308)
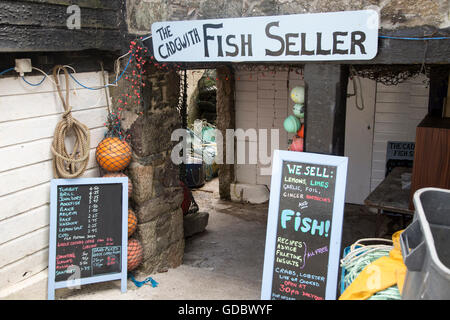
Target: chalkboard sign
point(304, 226)
point(88, 232)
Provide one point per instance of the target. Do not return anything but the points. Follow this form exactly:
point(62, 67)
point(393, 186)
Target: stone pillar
point(326, 96)
point(157, 194)
point(225, 120)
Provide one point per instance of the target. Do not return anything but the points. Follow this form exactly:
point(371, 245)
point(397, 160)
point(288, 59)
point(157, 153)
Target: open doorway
point(200, 116)
point(223, 239)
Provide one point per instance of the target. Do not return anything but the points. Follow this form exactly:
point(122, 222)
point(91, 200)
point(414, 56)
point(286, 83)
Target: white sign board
point(304, 226)
point(347, 35)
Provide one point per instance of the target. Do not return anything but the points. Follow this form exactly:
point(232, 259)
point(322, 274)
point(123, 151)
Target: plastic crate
point(426, 247)
point(344, 270)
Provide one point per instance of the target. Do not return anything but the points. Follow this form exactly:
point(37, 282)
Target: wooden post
point(439, 75)
point(447, 104)
point(225, 120)
point(325, 101)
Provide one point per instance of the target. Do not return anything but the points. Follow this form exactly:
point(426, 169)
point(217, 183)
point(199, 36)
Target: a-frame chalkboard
point(304, 226)
point(88, 232)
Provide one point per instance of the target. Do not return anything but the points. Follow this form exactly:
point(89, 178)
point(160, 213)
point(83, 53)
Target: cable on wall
point(6, 71)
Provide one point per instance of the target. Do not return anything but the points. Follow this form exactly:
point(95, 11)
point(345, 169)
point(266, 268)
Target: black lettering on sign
point(275, 37)
point(289, 44)
point(305, 52)
point(246, 43)
point(337, 41)
point(89, 230)
point(319, 50)
point(208, 37)
point(358, 37)
point(232, 44)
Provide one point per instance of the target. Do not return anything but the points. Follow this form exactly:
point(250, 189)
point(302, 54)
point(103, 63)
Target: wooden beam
point(26, 39)
point(447, 105)
point(225, 120)
point(398, 51)
point(438, 90)
point(96, 4)
point(82, 61)
point(325, 102)
point(31, 14)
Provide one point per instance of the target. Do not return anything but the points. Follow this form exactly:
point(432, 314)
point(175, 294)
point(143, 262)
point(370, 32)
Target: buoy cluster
point(293, 123)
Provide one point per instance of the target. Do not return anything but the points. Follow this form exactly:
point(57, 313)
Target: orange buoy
point(120, 174)
point(135, 254)
point(132, 222)
point(301, 132)
point(297, 144)
point(113, 154)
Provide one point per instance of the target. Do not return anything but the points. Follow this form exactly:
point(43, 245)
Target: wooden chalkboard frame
point(52, 284)
point(336, 224)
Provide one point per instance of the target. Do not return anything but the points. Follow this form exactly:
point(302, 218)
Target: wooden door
point(359, 126)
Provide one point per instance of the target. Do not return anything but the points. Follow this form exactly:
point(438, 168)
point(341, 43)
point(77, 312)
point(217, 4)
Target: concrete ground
point(225, 262)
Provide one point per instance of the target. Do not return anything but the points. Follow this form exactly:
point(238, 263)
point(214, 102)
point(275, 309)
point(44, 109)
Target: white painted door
point(398, 111)
point(359, 139)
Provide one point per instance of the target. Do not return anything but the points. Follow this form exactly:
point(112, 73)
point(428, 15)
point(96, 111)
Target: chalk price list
point(83, 249)
point(302, 243)
point(93, 210)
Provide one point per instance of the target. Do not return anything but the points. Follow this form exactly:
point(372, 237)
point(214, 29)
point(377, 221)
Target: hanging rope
point(355, 78)
point(65, 164)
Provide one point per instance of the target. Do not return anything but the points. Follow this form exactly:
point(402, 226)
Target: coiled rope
point(69, 164)
point(360, 256)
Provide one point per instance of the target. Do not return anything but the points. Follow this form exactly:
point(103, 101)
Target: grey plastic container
point(425, 245)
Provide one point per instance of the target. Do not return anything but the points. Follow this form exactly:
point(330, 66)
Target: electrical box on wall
point(23, 66)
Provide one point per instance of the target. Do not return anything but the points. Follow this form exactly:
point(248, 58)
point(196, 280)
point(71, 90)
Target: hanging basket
point(113, 154)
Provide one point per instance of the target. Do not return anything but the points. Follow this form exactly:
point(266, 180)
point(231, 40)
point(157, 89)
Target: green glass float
point(299, 110)
point(292, 124)
point(298, 95)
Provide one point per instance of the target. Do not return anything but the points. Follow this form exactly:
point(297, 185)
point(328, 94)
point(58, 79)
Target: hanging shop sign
point(346, 35)
point(304, 226)
point(88, 232)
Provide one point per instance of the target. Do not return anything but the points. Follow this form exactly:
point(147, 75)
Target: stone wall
point(157, 194)
point(394, 13)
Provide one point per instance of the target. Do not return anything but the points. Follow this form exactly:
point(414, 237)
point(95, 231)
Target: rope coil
point(360, 256)
point(65, 164)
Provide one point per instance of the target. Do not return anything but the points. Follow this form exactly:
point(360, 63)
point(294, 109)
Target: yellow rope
point(65, 164)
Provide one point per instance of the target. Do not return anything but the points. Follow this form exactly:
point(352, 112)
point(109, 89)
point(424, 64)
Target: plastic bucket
point(195, 175)
point(425, 245)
